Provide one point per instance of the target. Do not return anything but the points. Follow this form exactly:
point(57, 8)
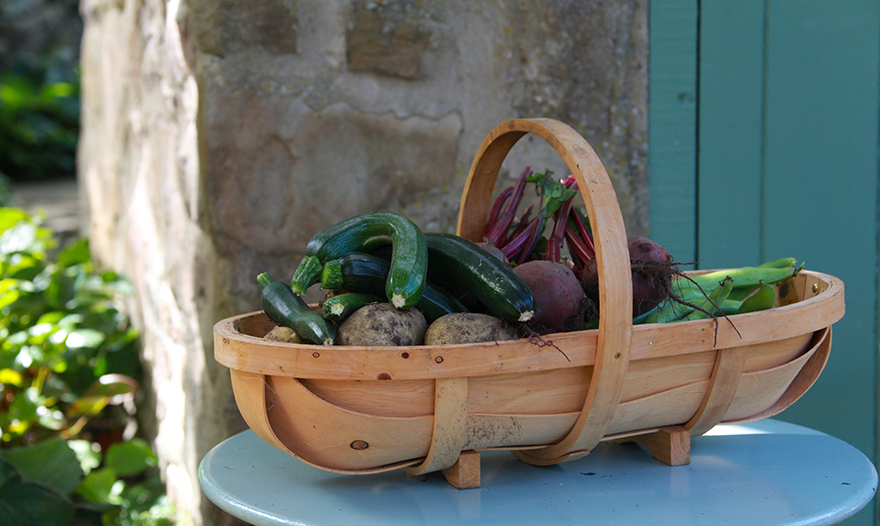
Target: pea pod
point(710, 305)
point(742, 277)
point(667, 312)
point(780, 263)
point(671, 310)
point(763, 299)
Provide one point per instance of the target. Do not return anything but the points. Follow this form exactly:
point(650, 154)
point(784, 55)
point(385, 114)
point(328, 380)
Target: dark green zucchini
point(339, 307)
point(456, 260)
point(406, 277)
point(357, 272)
point(287, 309)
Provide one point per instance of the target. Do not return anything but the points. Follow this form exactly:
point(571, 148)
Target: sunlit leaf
point(51, 418)
point(101, 486)
point(87, 405)
point(10, 377)
point(75, 253)
point(117, 388)
point(79, 338)
point(130, 458)
point(52, 318)
point(19, 238)
point(87, 452)
point(10, 217)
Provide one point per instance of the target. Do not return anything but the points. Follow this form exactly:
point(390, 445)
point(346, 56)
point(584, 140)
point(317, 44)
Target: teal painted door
point(782, 97)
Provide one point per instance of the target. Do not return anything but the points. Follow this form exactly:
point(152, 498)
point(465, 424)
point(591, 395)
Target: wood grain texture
point(549, 400)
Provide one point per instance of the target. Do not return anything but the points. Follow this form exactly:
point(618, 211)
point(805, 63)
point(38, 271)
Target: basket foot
point(671, 445)
point(465, 473)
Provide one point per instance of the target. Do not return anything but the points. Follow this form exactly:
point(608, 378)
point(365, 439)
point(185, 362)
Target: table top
point(767, 472)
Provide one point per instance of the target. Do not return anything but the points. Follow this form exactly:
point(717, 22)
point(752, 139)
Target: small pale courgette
point(340, 307)
point(287, 309)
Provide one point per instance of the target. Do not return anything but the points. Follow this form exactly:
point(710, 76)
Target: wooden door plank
point(821, 184)
point(672, 125)
point(730, 148)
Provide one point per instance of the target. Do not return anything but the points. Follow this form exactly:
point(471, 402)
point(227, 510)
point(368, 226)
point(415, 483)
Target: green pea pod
point(711, 304)
point(763, 299)
point(741, 293)
point(780, 263)
point(668, 311)
point(730, 306)
point(743, 276)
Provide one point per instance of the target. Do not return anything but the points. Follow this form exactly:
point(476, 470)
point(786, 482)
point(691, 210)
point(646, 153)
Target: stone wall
point(218, 136)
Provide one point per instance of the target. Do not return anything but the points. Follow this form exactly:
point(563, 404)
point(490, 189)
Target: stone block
point(224, 27)
point(385, 40)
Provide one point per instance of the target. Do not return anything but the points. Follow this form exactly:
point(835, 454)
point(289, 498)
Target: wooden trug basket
point(361, 410)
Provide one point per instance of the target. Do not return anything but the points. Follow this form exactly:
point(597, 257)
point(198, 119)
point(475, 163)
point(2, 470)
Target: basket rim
point(253, 354)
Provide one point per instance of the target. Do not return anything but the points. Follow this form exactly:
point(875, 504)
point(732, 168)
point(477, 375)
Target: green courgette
point(366, 273)
point(287, 309)
point(339, 307)
point(455, 260)
point(406, 277)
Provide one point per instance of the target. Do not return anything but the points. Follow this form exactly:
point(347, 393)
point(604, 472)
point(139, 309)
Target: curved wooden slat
point(450, 426)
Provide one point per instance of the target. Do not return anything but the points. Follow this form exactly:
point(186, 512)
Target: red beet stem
point(518, 242)
point(496, 209)
point(501, 228)
point(533, 237)
point(584, 234)
point(522, 223)
point(577, 247)
point(554, 244)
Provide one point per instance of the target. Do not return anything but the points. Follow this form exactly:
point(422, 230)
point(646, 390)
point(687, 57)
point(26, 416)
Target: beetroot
point(559, 297)
point(652, 273)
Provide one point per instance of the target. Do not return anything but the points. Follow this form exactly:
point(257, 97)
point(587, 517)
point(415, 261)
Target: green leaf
point(75, 253)
point(50, 463)
point(130, 458)
point(51, 419)
point(117, 388)
point(88, 338)
point(101, 486)
point(9, 217)
point(27, 503)
point(19, 238)
point(11, 377)
point(85, 451)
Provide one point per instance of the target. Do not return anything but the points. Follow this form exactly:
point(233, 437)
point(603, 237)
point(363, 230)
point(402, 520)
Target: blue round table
point(768, 472)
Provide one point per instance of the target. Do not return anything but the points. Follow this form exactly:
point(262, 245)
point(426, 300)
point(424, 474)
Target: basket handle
point(612, 258)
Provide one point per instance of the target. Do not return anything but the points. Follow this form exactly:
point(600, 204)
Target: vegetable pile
point(386, 282)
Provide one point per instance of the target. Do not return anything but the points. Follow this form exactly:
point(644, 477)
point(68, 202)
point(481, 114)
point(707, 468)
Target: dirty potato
point(382, 324)
point(468, 327)
point(283, 334)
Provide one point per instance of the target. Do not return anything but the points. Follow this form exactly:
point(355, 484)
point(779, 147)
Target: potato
point(283, 334)
point(382, 324)
point(468, 327)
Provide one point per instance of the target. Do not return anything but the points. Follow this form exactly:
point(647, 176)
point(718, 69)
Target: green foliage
point(39, 121)
point(68, 363)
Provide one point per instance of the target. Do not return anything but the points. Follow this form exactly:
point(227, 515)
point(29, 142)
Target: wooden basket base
point(671, 446)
